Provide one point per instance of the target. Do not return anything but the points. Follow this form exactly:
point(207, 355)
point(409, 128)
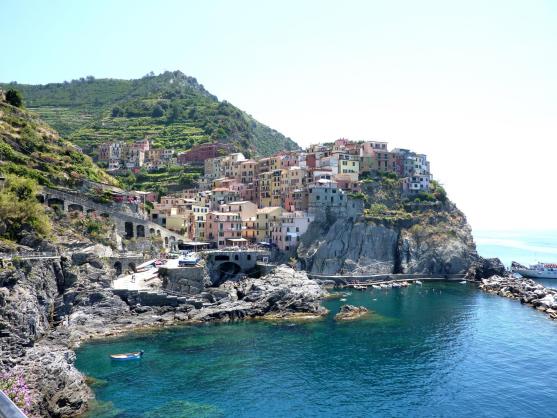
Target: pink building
point(286, 233)
point(225, 229)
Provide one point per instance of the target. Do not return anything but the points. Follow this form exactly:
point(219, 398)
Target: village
point(267, 201)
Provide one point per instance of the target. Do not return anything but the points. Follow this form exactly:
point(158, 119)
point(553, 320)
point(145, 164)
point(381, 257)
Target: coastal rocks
point(525, 290)
point(282, 293)
point(56, 385)
point(484, 268)
point(349, 312)
point(49, 307)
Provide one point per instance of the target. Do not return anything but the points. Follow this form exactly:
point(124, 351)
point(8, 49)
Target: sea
point(525, 247)
point(443, 349)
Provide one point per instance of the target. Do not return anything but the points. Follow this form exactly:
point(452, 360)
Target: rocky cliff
point(390, 236)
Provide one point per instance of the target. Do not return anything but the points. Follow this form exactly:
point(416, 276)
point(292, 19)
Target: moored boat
point(536, 271)
point(136, 355)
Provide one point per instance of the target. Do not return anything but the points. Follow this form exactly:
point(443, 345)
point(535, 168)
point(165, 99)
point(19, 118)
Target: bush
point(425, 197)
point(20, 210)
point(14, 98)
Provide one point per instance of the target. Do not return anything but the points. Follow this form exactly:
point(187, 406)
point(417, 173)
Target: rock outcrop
point(526, 290)
point(283, 293)
point(349, 312)
point(433, 242)
point(484, 268)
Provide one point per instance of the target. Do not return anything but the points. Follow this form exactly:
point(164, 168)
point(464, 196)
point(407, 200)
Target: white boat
point(536, 271)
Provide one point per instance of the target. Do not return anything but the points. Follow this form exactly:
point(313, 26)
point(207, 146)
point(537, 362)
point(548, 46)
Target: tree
point(175, 112)
point(158, 111)
point(117, 112)
point(14, 98)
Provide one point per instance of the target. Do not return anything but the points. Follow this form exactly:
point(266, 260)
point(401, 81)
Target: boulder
point(349, 312)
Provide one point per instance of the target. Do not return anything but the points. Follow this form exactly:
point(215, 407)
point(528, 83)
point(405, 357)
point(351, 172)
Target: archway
point(74, 207)
point(55, 202)
point(90, 211)
point(128, 228)
point(151, 231)
point(140, 231)
point(132, 267)
point(226, 271)
point(166, 241)
point(118, 268)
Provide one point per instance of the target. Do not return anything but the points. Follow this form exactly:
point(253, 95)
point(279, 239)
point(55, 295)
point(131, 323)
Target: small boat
point(343, 299)
point(418, 282)
point(463, 282)
point(536, 271)
point(127, 356)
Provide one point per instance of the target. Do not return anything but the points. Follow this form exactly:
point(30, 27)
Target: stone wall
point(184, 280)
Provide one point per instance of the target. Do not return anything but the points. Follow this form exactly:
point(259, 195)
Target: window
point(236, 257)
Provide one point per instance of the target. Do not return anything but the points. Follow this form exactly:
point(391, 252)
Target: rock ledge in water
point(348, 312)
point(526, 290)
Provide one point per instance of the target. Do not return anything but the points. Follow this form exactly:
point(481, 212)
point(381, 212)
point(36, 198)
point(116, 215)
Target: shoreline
point(528, 291)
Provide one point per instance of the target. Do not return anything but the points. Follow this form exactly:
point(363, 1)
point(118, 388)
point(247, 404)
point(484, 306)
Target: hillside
point(172, 109)
point(30, 148)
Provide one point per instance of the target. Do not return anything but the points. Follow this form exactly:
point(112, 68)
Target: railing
point(8, 409)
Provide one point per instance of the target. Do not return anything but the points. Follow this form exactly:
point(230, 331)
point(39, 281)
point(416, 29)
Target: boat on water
point(536, 271)
point(136, 355)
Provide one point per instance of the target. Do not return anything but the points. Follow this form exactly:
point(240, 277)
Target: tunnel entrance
point(118, 268)
point(226, 271)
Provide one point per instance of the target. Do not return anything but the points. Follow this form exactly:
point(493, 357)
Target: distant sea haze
point(525, 247)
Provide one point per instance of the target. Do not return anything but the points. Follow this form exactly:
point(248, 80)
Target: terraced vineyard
point(171, 109)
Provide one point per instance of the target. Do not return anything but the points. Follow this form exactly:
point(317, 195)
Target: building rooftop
point(224, 213)
point(239, 202)
point(268, 209)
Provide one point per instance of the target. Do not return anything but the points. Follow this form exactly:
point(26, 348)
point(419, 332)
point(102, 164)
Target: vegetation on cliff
point(30, 148)
point(172, 109)
point(20, 212)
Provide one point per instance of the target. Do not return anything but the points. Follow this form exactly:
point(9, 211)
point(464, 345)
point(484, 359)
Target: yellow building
point(349, 165)
point(266, 219)
point(249, 229)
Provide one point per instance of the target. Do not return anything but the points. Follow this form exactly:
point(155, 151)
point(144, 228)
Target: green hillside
point(172, 109)
point(31, 149)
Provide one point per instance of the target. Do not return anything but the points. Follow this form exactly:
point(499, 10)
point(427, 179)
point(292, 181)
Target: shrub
point(14, 98)
point(20, 210)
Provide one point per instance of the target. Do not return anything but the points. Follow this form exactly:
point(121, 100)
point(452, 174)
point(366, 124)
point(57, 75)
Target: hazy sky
point(471, 83)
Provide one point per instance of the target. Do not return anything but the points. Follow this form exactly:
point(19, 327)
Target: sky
point(473, 84)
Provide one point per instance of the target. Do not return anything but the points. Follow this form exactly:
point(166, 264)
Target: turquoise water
point(525, 247)
point(444, 349)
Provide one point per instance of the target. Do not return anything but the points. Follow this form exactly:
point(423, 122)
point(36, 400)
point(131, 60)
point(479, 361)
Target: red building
point(199, 153)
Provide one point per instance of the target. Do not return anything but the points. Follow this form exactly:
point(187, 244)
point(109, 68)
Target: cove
point(442, 349)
